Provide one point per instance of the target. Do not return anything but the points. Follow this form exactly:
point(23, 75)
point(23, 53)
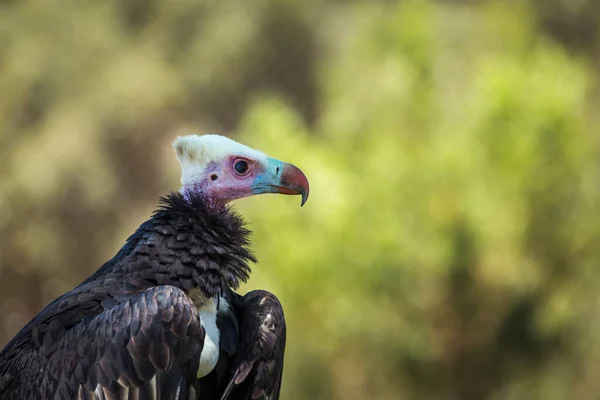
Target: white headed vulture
point(161, 320)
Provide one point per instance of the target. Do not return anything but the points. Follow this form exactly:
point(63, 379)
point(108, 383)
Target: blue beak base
point(282, 178)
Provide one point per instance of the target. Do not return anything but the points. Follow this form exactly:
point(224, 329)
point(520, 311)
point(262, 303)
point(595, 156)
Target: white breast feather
point(210, 351)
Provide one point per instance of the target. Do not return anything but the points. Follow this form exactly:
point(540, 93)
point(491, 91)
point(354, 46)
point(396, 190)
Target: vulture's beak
point(280, 177)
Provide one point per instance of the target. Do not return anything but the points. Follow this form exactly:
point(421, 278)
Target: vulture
point(161, 320)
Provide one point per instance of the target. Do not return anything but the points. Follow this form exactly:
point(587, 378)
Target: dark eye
point(241, 167)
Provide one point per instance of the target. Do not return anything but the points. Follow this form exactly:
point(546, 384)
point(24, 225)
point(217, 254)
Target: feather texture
point(257, 369)
point(130, 329)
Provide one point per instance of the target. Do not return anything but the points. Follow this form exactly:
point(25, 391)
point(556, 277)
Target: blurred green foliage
point(451, 245)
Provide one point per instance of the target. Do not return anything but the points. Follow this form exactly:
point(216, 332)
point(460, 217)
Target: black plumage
point(258, 364)
point(132, 330)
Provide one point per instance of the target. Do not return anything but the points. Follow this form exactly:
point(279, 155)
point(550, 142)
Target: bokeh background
point(451, 245)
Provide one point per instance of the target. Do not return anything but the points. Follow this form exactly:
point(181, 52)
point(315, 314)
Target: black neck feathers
point(184, 244)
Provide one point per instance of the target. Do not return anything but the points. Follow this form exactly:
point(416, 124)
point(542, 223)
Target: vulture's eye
point(241, 167)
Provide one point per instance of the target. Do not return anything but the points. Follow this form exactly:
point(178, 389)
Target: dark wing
point(258, 365)
point(146, 347)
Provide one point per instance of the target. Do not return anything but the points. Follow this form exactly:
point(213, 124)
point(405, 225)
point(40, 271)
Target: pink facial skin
point(235, 177)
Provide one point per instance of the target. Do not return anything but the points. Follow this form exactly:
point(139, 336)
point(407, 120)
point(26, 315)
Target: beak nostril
point(277, 171)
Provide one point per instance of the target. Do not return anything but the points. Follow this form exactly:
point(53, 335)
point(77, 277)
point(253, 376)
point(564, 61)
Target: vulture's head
point(220, 170)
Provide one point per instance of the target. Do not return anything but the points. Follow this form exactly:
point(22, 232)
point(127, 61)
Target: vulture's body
point(159, 320)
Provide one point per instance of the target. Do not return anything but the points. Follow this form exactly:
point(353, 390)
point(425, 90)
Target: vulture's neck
point(186, 244)
point(197, 193)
